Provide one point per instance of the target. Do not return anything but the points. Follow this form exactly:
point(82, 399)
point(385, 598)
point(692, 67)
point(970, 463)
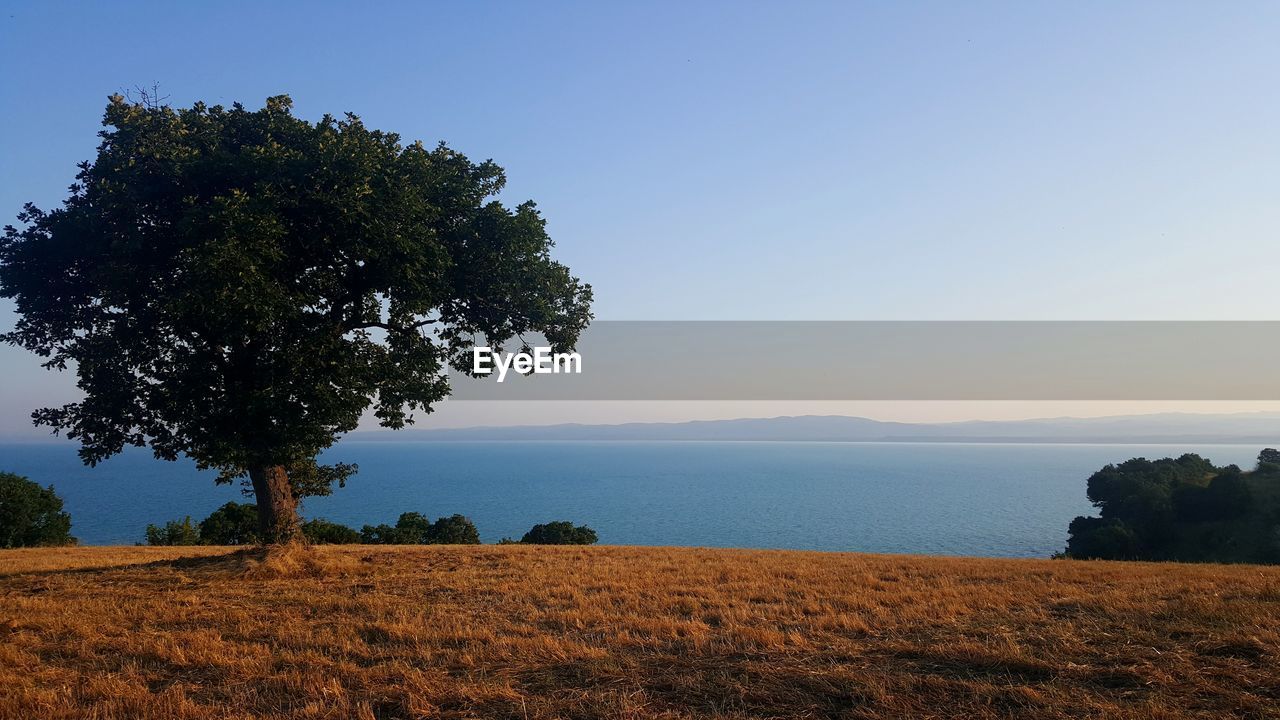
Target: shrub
point(174, 532)
point(1102, 539)
point(560, 532)
point(322, 532)
point(410, 529)
point(379, 535)
point(1229, 496)
point(232, 524)
point(31, 515)
point(454, 530)
point(415, 529)
point(1269, 461)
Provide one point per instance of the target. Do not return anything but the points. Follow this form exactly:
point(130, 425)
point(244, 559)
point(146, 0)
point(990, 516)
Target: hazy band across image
point(973, 361)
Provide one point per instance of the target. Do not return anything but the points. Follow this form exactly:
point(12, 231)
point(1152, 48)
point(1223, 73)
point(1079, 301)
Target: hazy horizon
point(539, 417)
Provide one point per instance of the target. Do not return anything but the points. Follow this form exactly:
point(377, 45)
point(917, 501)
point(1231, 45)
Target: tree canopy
point(31, 515)
point(240, 286)
point(1182, 509)
point(413, 528)
point(231, 524)
point(559, 532)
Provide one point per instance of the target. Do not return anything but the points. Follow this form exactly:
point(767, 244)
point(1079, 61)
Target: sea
point(982, 499)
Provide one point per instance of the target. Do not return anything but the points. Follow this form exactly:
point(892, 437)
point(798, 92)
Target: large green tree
point(240, 286)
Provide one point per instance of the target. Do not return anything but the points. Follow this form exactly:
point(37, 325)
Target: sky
point(763, 161)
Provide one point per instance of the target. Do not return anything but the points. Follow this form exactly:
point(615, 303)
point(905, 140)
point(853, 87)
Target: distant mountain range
point(1257, 428)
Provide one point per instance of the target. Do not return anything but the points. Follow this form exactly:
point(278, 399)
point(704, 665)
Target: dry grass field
point(620, 632)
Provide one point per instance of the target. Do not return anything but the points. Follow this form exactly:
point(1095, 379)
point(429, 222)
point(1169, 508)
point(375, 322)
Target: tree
point(1269, 461)
point(1229, 495)
point(174, 532)
point(239, 286)
point(382, 534)
point(454, 530)
point(404, 532)
point(323, 532)
point(560, 532)
point(1102, 539)
point(31, 515)
point(232, 524)
point(1185, 509)
point(411, 528)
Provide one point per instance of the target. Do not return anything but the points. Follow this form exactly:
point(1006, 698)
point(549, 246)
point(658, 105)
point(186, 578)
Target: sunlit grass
point(544, 632)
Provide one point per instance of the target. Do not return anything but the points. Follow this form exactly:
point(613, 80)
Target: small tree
point(174, 532)
point(454, 530)
point(1229, 495)
point(1269, 461)
point(323, 532)
point(232, 524)
point(31, 515)
point(239, 286)
point(382, 534)
point(411, 528)
point(560, 532)
point(1102, 539)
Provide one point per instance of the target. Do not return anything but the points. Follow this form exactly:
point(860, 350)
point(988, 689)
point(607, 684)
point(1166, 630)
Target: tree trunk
point(277, 508)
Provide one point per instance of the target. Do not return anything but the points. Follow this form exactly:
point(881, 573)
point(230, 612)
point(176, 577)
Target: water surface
point(999, 500)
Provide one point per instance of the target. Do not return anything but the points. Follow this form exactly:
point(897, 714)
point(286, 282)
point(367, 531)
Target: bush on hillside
point(414, 528)
point(322, 532)
point(1181, 509)
point(560, 532)
point(31, 515)
point(454, 530)
point(232, 524)
point(174, 532)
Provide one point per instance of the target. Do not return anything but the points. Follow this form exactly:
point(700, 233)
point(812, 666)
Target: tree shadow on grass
point(238, 559)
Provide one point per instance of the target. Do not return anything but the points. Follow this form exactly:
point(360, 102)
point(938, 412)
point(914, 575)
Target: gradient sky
point(1074, 160)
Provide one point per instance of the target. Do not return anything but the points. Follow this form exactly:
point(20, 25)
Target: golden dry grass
point(619, 632)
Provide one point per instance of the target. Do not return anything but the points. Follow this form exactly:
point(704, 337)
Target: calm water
point(993, 500)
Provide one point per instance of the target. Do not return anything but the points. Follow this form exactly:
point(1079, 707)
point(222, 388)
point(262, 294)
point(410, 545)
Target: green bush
point(410, 529)
point(31, 515)
point(232, 524)
point(454, 530)
point(560, 532)
point(1181, 509)
point(174, 532)
point(415, 529)
point(322, 532)
point(1102, 539)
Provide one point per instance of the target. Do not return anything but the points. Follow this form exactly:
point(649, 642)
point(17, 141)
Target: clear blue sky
point(1071, 160)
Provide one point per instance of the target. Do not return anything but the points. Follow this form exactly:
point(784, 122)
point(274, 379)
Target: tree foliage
point(31, 515)
point(559, 532)
point(174, 532)
point(232, 524)
point(239, 286)
point(1181, 509)
point(414, 528)
point(323, 532)
point(235, 524)
point(454, 530)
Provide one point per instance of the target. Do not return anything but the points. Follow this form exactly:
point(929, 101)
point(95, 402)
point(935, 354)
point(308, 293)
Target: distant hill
point(1256, 428)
